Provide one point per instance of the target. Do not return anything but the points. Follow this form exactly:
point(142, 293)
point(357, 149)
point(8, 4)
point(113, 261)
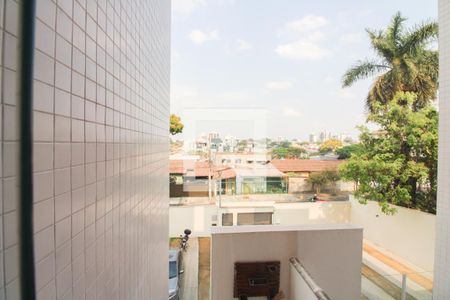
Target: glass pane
point(227, 219)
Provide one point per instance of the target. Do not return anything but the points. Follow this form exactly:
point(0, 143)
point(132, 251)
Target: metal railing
point(316, 289)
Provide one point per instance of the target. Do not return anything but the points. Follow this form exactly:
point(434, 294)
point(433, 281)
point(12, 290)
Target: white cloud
point(279, 85)
point(186, 7)
point(291, 112)
point(314, 37)
point(307, 45)
point(307, 23)
point(243, 45)
point(302, 50)
point(200, 37)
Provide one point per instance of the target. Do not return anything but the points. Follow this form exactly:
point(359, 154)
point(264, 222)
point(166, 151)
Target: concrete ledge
point(279, 228)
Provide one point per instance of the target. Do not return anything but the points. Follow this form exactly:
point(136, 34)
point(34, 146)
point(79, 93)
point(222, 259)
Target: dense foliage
point(406, 62)
point(347, 151)
point(289, 152)
point(330, 146)
point(175, 124)
point(397, 164)
point(319, 180)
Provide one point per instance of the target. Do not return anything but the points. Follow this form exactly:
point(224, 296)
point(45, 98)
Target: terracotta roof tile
point(198, 169)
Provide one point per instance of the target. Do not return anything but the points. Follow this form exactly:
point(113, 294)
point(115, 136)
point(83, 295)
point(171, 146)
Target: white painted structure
point(298, 287)
point(199, 218)
point(330, 253)
point(101, 125)
point(408, 234)
point(442, 260)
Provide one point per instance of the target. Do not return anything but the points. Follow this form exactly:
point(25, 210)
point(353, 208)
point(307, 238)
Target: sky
point(280, 60)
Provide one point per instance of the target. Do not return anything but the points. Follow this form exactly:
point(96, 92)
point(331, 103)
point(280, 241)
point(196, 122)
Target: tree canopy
point(319, 180)
point(406, 62)
point(289, 152)
point(330, 146)
point(175, 124)
point(347, 151)
point(398, 163)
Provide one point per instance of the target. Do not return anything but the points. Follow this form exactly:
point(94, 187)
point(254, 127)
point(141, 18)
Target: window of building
point(227, 219)
point(254, 218)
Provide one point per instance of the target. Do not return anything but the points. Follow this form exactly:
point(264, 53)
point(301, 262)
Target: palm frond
point(395, 30)
point(362, 70)
point(381, 92)
point(381, 44)
point(418, 36)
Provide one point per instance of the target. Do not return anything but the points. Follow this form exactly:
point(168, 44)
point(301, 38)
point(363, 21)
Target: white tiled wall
point(441, 288)
point(101, 146)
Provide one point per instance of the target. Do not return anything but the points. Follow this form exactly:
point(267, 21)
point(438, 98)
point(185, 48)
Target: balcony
point(313, 259)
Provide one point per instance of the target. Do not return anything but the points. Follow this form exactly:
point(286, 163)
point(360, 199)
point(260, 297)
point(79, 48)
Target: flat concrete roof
point(281, 228)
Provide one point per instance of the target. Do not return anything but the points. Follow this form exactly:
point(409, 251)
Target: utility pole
point(209, 168)
point(220, 187)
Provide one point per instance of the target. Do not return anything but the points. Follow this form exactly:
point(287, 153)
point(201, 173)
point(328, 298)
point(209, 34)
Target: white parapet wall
point(409, 234)
point(199, 218)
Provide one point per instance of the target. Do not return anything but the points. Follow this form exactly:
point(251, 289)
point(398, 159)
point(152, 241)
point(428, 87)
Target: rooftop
point(305, 165)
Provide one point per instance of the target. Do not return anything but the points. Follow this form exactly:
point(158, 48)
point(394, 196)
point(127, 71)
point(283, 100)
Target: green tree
point(347, 151)
point(285, 144)
point(241, 145)
point(319, 180)
point(290, 152)
point(175, 124)
point(330, 146)
point(405, 63)
point(398, 164)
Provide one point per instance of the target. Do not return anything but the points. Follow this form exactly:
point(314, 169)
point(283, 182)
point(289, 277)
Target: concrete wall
point(101, 111)
point(312, 213)
point(298, 185)
point(409, 234)
point(248, 247)
point(442, 261)
point(299, 289)
point(331, 254)
point(198, 218)
point(333, 259)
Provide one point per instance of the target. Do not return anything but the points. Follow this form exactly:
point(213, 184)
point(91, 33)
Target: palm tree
point(405, 62)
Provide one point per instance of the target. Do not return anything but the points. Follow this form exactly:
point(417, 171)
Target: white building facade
point(441, 288)
point(101, 111)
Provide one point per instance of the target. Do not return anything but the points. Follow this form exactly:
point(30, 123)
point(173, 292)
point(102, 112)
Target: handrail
point(317, 290)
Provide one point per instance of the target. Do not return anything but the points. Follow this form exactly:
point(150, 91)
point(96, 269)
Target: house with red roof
point(299, 170)
point(189, 178)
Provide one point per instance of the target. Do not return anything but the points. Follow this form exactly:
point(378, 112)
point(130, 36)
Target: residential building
point(312, 138)
point(299, 170)
point(323, 136)
point(240, 159)
point(191, 179)
point(260, 179)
